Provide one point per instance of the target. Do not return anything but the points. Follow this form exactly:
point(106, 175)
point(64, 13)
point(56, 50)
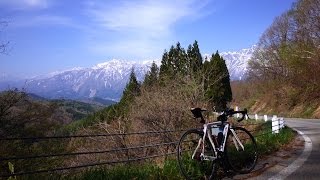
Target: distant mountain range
point(107, 80)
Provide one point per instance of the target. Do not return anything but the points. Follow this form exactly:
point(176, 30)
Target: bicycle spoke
point(192, 165)
point(241, 150)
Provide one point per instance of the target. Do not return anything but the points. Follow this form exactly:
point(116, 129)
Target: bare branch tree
point(3, 44)
point(288, 53)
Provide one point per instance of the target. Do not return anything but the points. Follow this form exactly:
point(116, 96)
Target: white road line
point(299, 161)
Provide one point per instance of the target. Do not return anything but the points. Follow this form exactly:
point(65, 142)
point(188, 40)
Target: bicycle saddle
point(197, 112)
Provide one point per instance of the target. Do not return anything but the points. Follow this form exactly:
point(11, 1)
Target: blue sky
point(54, 35)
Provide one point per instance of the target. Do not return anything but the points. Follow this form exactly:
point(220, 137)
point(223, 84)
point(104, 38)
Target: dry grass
point(159, 108)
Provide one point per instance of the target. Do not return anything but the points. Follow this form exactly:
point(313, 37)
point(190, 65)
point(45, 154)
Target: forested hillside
point(23, 114)
point(284, 70)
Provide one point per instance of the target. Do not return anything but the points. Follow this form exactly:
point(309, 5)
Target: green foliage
point(11, 169)
point(212, 75)
point(194, 59)
point(268, 142)
point(147, 170)
point(171, 169)
point(124, 172)
point(107, 114)
point(165, 67)
point(151, 77)
point(174, 62)
point(217, 82)
point(131, 90)
point(75, 110)
point(105, 102)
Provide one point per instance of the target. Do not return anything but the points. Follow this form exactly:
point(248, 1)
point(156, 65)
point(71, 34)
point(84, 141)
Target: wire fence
point(115, 150)
point(86, 136)
point(86, 165)
point(265, 129)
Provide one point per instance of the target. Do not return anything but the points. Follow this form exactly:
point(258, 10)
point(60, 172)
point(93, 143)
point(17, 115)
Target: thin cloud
point(144, 22)
point(25, 4)
point(151, 17)
point(45, 20)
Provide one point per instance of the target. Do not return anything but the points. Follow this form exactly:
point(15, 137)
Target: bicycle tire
point(195, 168)
point(241, 160)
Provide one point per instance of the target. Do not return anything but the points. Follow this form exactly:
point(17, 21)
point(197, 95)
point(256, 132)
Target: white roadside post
point(237, 109)
point(256, 117)
point(275, 125)
point(281, 122)
point(265, 118)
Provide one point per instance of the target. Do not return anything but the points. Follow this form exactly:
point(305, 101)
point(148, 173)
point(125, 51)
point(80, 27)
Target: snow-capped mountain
point(107, 80)
point(237, 62)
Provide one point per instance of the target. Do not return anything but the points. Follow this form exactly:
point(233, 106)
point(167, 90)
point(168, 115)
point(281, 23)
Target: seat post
point(202, 119)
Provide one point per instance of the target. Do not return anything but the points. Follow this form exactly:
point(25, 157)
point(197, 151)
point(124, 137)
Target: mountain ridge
point(107, 79)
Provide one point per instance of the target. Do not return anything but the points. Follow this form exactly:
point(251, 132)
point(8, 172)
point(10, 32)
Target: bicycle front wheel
point(192, 166)
point(241, 150)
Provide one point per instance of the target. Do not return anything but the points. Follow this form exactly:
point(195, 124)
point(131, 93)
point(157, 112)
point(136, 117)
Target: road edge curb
point(299, 161)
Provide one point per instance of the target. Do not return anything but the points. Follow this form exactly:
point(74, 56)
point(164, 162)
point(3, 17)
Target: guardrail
point(277, 122)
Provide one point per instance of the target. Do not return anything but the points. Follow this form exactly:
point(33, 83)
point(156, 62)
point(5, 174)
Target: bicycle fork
point(236, 140)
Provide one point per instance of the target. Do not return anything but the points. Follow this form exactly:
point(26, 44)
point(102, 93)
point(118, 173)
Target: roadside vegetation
point(267, 143)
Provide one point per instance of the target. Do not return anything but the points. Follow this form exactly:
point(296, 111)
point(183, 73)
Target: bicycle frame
point(207, 133)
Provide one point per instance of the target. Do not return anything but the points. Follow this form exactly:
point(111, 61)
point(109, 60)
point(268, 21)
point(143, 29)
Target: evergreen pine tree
point(190, 58)
point(174, 62)
point(194, 58)
point(217, 85)
point(165, 68)
point(180, 60)
point(131, 90)
point(226, 81)
point(151, 76)
point(206, 74)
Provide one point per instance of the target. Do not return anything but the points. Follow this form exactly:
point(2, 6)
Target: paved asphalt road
point(310, 169)
point(305, 164)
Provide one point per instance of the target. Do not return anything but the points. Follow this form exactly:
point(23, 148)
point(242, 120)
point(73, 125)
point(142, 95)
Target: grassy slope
point(264, 106)
point(279, 100)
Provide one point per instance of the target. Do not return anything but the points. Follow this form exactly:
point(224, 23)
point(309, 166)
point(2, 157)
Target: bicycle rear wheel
point(195, 167)
point(242, 157)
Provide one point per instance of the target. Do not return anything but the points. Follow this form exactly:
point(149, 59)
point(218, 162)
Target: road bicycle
point(201, 150)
